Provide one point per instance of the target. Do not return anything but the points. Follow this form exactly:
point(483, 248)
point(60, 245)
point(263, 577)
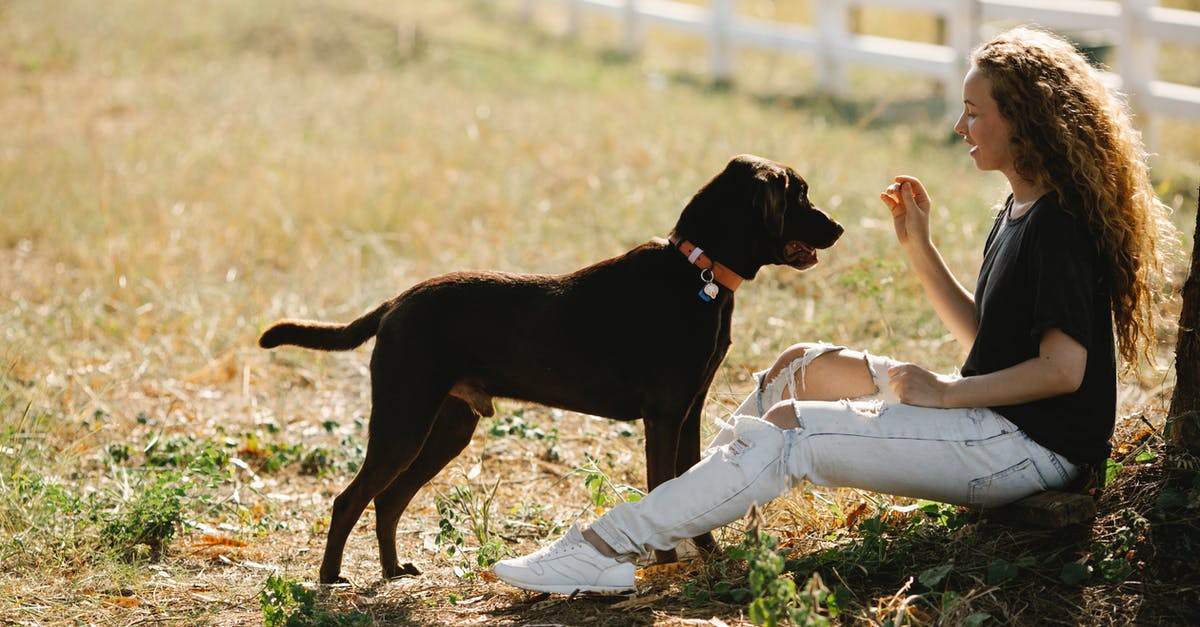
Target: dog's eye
point(802, 193)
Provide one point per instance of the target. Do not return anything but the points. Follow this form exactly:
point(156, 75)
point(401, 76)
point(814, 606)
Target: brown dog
point(637, 336)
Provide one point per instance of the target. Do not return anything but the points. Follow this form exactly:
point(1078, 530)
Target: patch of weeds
point(532, 515)
point(1112, 468)
point(603, 491)
point(1176, 523)
point(1113, 558)
point(893, 548)
point(948, 517)
point(354, 452)
point(143, 527)
point(889, 539)
point(270, 457)
point(464, 508)
point(774, 595)
point(39, 520)
point(876, 545)
point(514, 425)
point(769, 591)
point(317, 462)
point(118, 453)
point(166, 452)
point(1178, 501)
point(211, 460)
point(205, 457)
point(289, 603)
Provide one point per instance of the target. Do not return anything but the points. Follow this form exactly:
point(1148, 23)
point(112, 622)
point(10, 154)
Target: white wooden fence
point(1133, 27)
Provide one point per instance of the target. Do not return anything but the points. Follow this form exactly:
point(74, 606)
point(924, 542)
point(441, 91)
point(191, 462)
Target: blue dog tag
point(709, 292)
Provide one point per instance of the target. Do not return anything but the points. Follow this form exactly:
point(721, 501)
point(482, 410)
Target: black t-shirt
point(1042, 271)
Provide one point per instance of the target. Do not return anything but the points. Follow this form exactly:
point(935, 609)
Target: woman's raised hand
point(909, 203)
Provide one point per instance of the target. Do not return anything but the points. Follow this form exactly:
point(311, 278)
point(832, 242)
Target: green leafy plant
point(769, 591)
point(143, 526)
point(1116, 554)
point(461, 508)
point(206, 457)
point(289, 603)
point(514, 425)
point(775, 595)
point(604, 492)
point(1112, 559)
point(317, 462)
point(40, 518)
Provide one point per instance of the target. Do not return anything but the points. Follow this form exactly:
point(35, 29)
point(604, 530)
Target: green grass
point(173, 176)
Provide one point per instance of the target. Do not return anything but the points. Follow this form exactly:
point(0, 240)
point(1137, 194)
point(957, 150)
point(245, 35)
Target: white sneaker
point(567, 565)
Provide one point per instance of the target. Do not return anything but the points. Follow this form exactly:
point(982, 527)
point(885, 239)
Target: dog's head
point(756, 212)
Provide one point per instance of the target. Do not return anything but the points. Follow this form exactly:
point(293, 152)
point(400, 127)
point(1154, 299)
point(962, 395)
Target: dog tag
point(710, 289)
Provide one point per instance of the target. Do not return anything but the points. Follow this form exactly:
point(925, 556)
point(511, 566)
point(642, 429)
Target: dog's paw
point(665, 557)
point(407, 570)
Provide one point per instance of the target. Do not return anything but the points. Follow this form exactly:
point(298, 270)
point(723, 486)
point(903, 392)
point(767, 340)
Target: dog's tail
point(326, 336)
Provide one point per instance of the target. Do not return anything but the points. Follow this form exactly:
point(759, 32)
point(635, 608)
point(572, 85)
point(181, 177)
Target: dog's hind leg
point(378, 469)
point(400, 423)
point(451, 433)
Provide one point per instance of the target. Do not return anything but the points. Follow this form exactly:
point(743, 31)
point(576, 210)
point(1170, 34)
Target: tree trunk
point(1184, 429)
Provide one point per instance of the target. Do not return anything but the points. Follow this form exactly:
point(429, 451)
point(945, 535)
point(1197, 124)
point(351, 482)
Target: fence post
point(831, 24)
point(1137, 59)
point(962, 34)
point(720, 48)
point(631, 18)
point(574, 19)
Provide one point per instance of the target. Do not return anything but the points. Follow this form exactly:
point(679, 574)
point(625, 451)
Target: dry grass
point(173, 176)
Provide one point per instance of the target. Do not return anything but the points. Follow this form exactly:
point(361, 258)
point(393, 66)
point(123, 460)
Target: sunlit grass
point(173, 176)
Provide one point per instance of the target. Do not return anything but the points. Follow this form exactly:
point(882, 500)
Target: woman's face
point(982, 126)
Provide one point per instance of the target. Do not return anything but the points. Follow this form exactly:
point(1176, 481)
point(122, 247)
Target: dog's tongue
point(800, 255)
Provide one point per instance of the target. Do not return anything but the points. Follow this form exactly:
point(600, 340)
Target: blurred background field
point(176, 175)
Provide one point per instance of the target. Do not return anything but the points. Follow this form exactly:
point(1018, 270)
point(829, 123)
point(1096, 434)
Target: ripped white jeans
point(972, 457)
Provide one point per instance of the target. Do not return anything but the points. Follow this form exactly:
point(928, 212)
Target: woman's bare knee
point(786, 358)
point(839, 375)
point(830, 373)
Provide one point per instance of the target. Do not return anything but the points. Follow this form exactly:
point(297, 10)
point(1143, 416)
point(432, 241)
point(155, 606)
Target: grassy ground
point(174, 176)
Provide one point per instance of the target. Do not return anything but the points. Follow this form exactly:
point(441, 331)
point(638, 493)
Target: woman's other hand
point(915, 385)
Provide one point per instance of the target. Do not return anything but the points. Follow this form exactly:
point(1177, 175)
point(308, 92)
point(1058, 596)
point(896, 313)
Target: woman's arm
point(909, 204)
point(1058, 369)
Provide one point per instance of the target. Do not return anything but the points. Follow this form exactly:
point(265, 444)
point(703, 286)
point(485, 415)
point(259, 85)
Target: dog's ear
point(770, 198)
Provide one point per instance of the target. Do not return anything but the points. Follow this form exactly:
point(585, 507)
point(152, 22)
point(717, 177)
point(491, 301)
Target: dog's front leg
point(662, 451)
point(686, 456)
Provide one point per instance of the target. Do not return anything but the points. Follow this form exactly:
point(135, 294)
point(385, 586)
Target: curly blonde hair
point(1074, 135)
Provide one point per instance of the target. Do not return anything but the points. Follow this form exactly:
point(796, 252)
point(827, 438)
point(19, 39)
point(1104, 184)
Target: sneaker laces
point(559, 546)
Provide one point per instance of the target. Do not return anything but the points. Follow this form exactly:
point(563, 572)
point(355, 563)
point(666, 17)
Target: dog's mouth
point(799, 255)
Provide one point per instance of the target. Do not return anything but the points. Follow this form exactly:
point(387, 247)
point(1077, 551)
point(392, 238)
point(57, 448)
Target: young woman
point(1071, 258)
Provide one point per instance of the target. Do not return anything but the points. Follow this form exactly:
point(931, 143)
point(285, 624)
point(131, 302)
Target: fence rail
point(1134, 28)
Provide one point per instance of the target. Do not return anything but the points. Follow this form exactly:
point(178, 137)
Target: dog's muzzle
point(799, 255)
